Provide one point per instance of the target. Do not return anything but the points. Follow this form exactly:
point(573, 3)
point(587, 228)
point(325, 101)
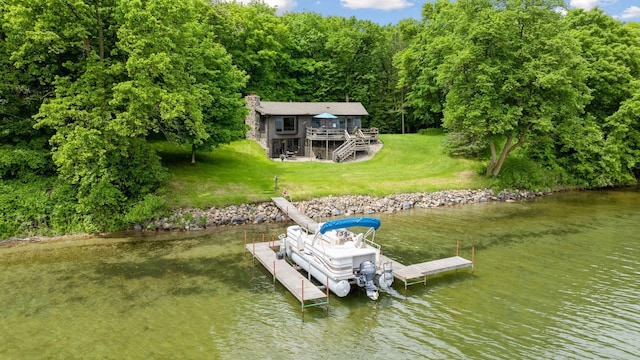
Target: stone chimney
point(253, 118)
point(253, 100)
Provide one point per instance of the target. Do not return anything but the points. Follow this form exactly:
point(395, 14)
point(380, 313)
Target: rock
point(332, 206)
point(237, 220)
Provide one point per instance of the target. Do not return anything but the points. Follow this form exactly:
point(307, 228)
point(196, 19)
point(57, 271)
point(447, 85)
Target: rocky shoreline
point(326, 207)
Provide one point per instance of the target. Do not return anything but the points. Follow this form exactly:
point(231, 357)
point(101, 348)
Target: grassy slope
point(240, 173)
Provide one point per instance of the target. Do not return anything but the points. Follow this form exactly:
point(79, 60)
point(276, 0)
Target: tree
point(417, 65)
point(119, 71)
point(180, 81)
point(611, 51)
point(308, 57)
point(507, 69)
point(258, 42)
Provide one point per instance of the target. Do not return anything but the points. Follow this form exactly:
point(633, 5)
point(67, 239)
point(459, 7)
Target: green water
point(558, 277)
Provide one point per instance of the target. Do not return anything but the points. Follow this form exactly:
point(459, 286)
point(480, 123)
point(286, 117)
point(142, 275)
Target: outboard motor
point(385, 279)
point(366, 276)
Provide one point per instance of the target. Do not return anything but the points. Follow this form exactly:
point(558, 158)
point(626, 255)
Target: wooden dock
point(311, 295)
point(418, 273)
point(302, 288)
point(296, 215)
point(409, 274)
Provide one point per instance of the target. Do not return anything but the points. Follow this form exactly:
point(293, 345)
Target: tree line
point(547, 96)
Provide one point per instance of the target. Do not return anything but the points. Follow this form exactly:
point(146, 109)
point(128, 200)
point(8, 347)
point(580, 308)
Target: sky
point(386, 12)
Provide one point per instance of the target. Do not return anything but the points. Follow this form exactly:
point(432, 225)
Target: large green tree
point(505, 71)
point(180, 81)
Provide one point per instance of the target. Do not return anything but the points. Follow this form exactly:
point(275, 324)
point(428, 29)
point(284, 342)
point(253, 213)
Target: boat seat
point(358, 240)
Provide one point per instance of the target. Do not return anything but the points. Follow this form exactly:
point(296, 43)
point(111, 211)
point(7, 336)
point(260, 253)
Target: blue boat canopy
point(350, 222)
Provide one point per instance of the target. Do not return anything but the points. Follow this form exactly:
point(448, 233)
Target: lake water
point(557, 277)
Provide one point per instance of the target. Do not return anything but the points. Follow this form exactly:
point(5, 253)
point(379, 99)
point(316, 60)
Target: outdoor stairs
point(350, 148)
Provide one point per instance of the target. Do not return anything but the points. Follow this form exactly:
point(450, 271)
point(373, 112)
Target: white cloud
point(584, 4)
point(560, 10)
point(631, 13)
point(282, 6)
point(376, 4)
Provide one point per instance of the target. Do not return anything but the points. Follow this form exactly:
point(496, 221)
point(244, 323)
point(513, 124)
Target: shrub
point(25, 208)
point(22, 163)
point(520, 172)
point(458, 144)
point(151, 207)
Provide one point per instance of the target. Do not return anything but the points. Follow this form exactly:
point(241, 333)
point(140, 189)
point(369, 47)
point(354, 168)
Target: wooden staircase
point(351, 147)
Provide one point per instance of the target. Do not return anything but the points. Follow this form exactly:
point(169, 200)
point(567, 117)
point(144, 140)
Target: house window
point(286, 124)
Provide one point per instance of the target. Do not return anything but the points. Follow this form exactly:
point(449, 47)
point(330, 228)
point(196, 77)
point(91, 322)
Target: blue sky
point(391, 11)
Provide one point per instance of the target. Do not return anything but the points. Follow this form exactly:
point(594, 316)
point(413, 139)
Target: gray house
point(328, 130)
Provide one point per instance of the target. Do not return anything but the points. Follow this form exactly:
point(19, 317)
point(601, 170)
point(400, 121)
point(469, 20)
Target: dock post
point(473, 259)
point(302, 281)
point(327, 290)
point(457, 246)
point(245, 238)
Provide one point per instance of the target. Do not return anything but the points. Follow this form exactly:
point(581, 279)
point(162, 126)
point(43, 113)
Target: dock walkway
point(418, 273)
point(302, 288)
point(296, 215)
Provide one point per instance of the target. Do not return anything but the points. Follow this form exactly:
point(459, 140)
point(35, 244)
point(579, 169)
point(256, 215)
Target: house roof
point(310, 108)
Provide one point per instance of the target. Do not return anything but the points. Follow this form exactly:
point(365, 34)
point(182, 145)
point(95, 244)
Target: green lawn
point(241, 173)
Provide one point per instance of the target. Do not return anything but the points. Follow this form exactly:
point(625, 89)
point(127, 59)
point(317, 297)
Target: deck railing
point(325, 134)
point(339, 134)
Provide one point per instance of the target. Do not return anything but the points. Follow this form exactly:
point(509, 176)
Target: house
point(327, 130)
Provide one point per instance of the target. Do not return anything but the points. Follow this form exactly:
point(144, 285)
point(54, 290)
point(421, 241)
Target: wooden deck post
point(473, 258)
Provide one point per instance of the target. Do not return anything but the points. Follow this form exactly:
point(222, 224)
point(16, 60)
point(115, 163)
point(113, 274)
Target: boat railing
point(373, 244)
point(369, 238)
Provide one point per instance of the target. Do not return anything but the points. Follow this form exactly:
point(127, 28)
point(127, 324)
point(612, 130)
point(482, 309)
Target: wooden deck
point(418, 273)
point(302, 288)
point(296, 215)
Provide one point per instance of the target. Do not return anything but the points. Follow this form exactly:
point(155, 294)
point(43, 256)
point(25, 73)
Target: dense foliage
point(547, 97)
point(558, 87)
point(90, 81)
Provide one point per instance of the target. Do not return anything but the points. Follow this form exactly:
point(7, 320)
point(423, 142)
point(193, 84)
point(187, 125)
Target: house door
point(276, 148)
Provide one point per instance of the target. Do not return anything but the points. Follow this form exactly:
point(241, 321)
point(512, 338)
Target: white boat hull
point(339, 287)
point(338, 258)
